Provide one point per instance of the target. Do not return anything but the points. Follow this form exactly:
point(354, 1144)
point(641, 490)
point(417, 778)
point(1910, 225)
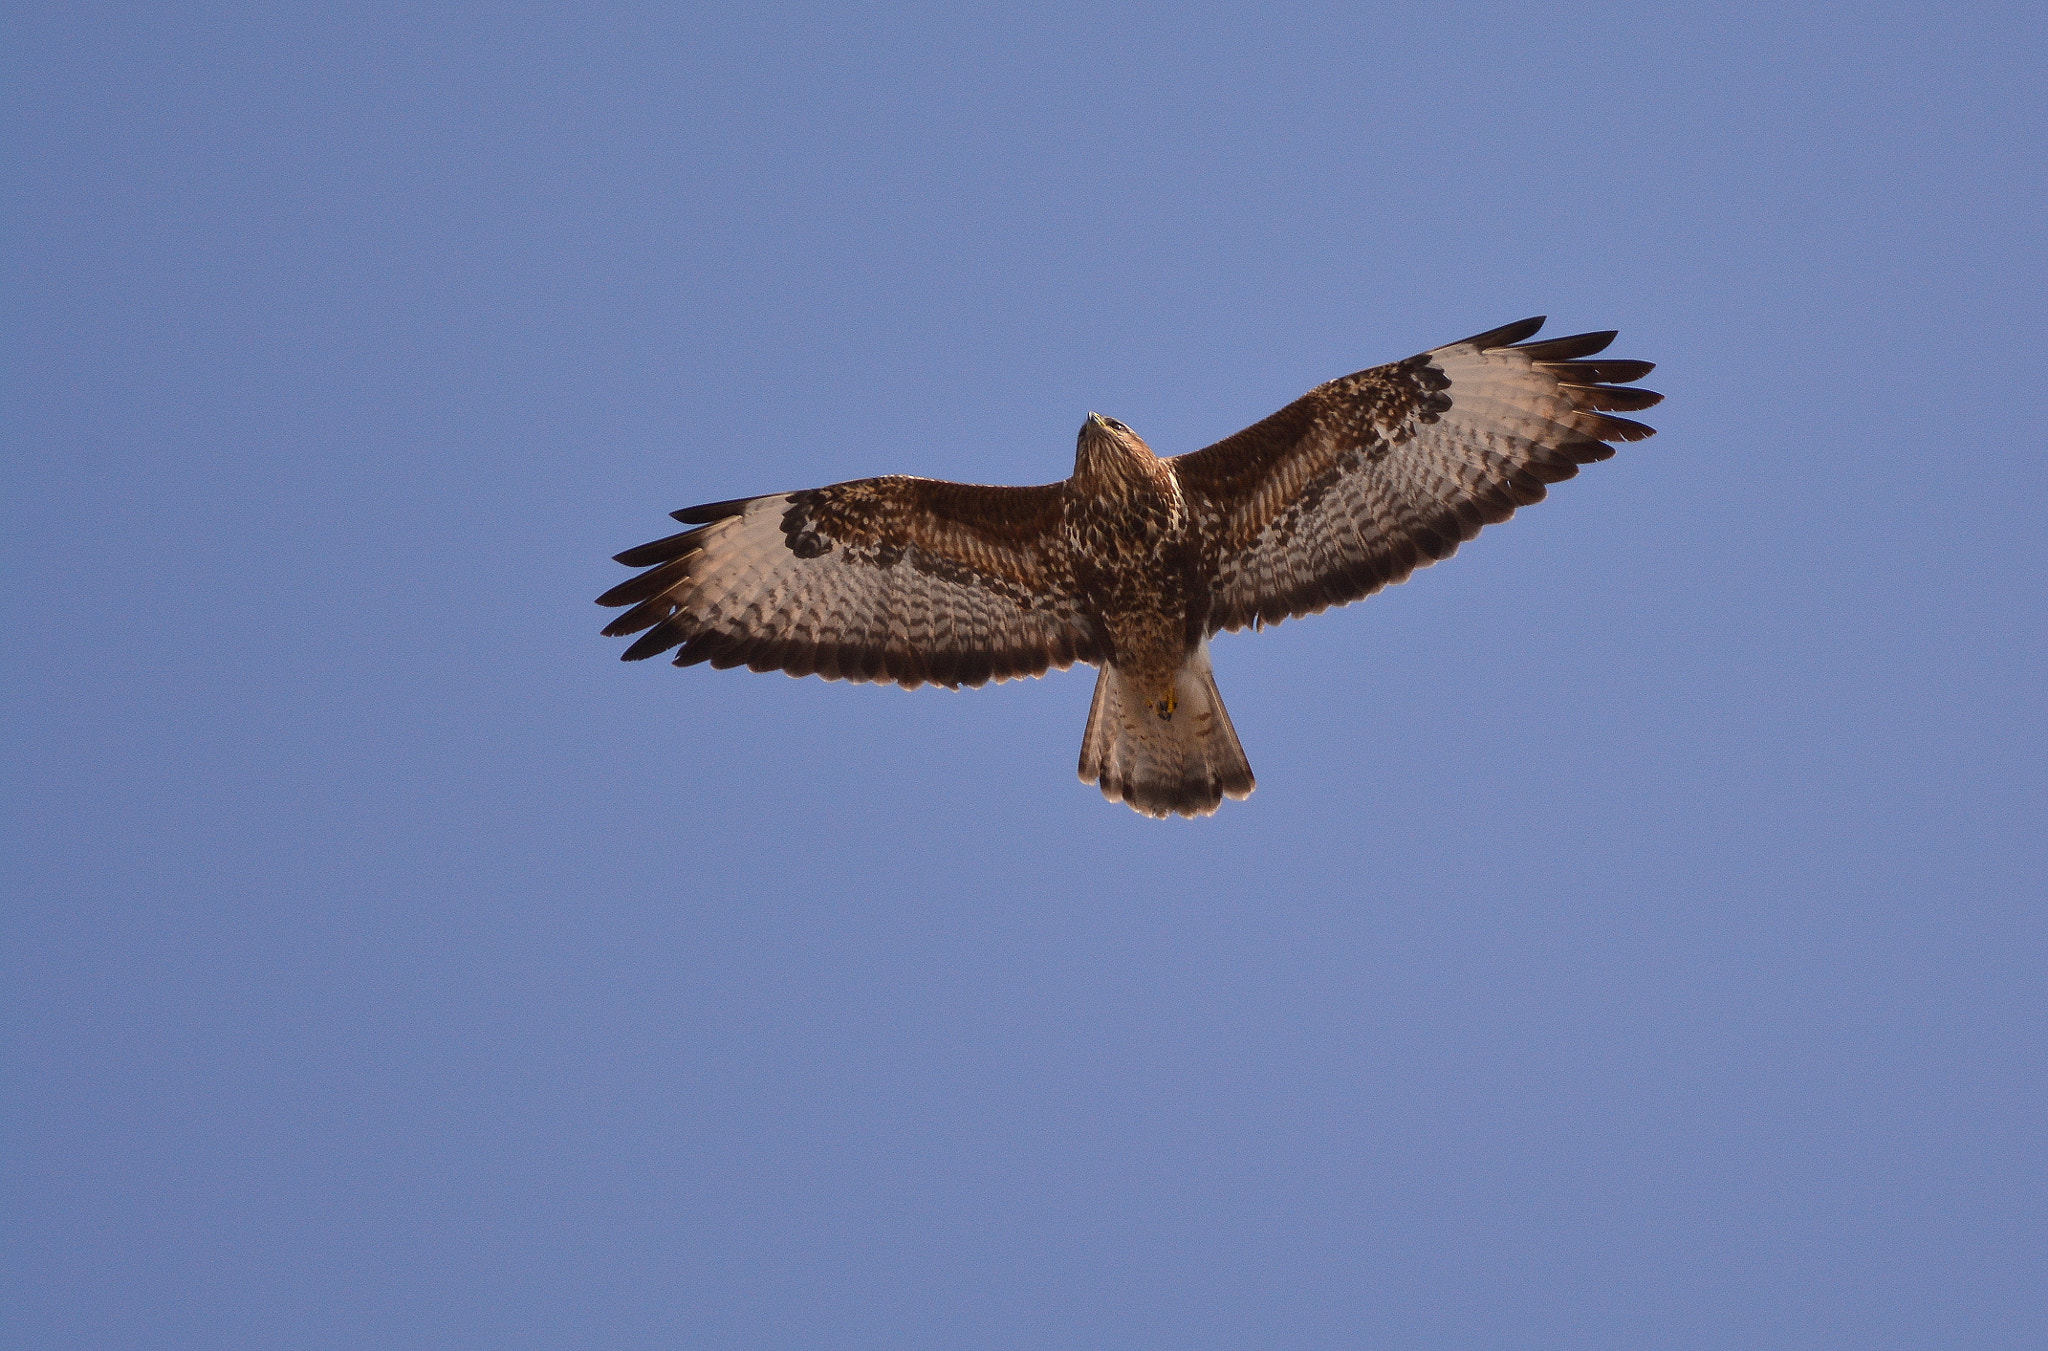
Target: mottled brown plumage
point(1134, 562)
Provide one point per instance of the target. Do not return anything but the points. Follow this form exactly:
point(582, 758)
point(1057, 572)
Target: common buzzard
point(1132, 564)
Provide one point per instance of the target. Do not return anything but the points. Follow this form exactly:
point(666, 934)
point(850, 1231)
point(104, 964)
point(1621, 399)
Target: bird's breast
point(1133, 553)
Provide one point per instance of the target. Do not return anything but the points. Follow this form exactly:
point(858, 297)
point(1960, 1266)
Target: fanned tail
point(1186, 765)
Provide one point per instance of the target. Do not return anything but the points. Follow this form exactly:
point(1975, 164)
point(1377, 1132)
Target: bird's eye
point(1117, 426)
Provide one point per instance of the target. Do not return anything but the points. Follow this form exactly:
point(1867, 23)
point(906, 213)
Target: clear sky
point(1636, 939)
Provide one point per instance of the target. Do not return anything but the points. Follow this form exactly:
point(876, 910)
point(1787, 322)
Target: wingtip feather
point(1565, 349)
point(712, 511)
point(1504, 336)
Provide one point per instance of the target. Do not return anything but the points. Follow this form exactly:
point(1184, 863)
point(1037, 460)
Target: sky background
point(1637, 936)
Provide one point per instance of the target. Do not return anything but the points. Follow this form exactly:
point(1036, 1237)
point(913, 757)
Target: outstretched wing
point(897, 579)
point(1360, 481)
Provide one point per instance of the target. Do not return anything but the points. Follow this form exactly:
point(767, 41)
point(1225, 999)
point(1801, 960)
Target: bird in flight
point(1135, 562)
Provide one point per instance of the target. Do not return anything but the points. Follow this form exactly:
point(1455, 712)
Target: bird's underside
point(1133, 563)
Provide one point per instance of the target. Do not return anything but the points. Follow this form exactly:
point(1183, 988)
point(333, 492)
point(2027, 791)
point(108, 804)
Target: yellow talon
point(1166, 706)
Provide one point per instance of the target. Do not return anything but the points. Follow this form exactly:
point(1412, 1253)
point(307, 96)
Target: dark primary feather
point(1608, 398)
point(711, 511)
point(660, 551)
point(1599, 372)
point(1562, 349)
point(1505, 334)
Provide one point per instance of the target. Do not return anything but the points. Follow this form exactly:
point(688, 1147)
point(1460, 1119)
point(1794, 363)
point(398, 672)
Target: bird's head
point(1106, 447)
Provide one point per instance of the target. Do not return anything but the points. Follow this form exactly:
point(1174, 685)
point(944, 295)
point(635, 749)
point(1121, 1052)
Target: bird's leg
point(1151, 648)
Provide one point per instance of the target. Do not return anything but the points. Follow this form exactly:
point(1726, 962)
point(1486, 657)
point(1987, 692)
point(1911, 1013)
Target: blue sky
point(1636, 938)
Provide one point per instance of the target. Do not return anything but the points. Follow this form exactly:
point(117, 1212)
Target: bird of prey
point(1135, 562)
